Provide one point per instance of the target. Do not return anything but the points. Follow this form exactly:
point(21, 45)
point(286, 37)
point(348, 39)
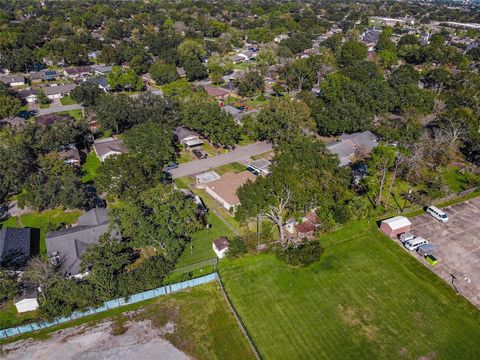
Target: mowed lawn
point(201, 246)
point(365, 299)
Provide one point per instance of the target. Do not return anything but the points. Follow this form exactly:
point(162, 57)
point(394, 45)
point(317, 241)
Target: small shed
point(28, 300)
point(220, 246)
point(395, 226)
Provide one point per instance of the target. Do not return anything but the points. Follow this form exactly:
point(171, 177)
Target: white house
point(220, 246)
point(205, 178)
point(58, 91)
point(105, 148)
point(224, 190)
point(13, 80)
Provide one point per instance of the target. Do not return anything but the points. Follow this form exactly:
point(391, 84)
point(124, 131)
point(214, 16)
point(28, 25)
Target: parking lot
point(457, 246)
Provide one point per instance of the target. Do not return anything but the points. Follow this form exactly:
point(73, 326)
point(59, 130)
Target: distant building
point(220, 247)
point(217, 93)
point(13, 80)
point(70, 155)
point(65, 247)
point(370, 38)
point(350, 144)
point(50, 119)
point(102, 70)
point(28, 95)
point(187, 137)
point(58, 91)
point(78, 72)
point(224, 190)
point(104, 148)
point(101, 82)
point(15, 121)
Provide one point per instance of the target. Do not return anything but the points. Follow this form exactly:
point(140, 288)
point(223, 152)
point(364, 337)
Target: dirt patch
point(354, 318)
point(106, 340)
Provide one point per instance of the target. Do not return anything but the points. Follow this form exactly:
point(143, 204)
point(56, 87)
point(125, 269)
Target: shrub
point(302, 255)
point(237, 247)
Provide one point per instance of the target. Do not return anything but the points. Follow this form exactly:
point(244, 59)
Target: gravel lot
point(457, 246)
point(139, 341)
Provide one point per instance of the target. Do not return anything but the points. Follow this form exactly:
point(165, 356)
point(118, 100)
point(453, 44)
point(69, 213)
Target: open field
point(365, 299)
point(457, 246)
point(196, 322)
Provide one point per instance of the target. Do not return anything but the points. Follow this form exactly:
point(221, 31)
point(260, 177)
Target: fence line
point(237, 318)
point(184, 269)
point(112, 304)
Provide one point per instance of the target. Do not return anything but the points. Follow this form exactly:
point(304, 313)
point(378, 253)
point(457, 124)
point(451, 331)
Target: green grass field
point(90, 167)
point(233, 168)
point(365, 299)
point(204, 326)
point(67, 100)
point(201, 248)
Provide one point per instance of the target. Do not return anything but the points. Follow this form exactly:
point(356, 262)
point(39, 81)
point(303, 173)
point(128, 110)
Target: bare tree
point(276, 212)
point(42, 273)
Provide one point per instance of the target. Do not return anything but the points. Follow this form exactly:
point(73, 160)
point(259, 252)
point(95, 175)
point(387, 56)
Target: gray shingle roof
point(69, 244)
point(15, 246)
point(60, 89)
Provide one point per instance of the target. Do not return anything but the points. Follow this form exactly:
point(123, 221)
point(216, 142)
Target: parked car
point(171, 166)
point(253, 170)
point(437, 213)
point(199, 154)
point(415, 243)
point(406, 237)
point(425, 250)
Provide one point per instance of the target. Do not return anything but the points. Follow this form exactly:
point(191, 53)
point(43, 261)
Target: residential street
point(239, 154)
point(56, 109)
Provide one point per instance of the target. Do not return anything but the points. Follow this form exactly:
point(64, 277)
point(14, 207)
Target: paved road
point(56, 109)
point(239, 154)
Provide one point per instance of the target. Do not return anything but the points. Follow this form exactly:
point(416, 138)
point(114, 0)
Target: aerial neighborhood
point(239, 179)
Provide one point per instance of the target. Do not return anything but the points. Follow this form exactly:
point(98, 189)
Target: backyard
point(90, 167)
point(366, 298)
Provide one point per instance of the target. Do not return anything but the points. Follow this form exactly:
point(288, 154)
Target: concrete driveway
point(457, 246)
point(54, 108)
point(240, 154)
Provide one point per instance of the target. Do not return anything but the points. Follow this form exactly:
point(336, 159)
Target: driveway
point(457, 246)
point(240, 154)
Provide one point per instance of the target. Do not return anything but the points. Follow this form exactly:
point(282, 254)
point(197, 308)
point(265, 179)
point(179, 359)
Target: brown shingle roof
point(226, 187)
point(221, 243)
point(215, 92)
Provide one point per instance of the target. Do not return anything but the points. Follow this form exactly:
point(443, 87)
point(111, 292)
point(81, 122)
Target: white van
point(437, 213)
point(406, 236)
point(415, 243)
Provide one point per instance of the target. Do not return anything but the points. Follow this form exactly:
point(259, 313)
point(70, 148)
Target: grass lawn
point(184, 182)
point(10, 317)
point(201, 245)
point(41, 220)
point(44, 106)
point(245, 140)
point(90, 167)
point(204, 326)
point(76, 114)
point(365, 299)
point(67, 100)
point(458, 181)
point(233, 168)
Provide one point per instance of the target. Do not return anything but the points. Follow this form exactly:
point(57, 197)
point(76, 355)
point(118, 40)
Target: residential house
point(13, 80)
point(102, 70)
point(204, 178)
point(35, 77)
point(58, 91)
point(49, 75)
point(78, 72)
point(349, 145)
point(217, 93)
point(220, 247)
point(15, 121)
point(370, 38)
point(229, 109)
point(395, 226)
point(104, 148)
point(188, 137)
point(29, 95)
point(70, 155)
point(17, 246)
point(260, 166)
point(305, 228)
point(224, 190)
point(27, 301)
point(50, 119)
point(101, 82)
point(65, 247)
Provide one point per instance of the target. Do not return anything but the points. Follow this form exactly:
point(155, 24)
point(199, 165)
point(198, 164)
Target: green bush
point(302, 255)
point(237, 247)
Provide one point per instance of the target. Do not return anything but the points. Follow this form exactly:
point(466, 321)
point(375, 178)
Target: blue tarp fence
point(112, 304)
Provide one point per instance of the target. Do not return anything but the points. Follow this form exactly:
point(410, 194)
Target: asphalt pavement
point(241, 153)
